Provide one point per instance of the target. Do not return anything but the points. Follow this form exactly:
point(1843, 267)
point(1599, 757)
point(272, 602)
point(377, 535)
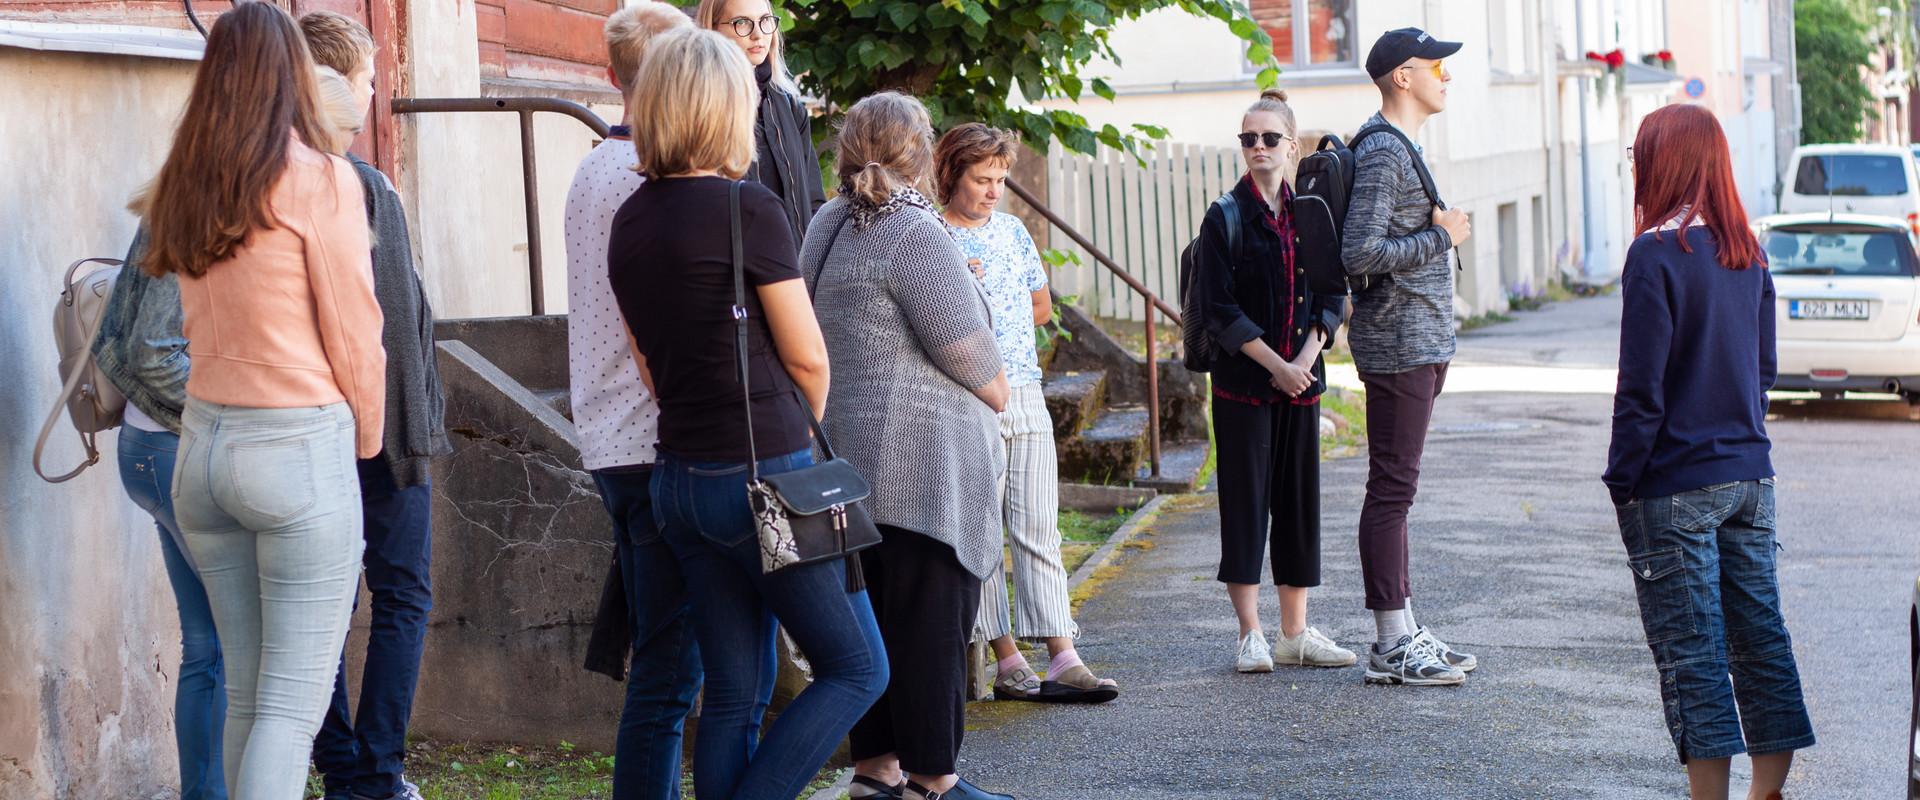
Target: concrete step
point(1074, 399)
point(1180, 464)
point(557, 399)
point(1110, 451)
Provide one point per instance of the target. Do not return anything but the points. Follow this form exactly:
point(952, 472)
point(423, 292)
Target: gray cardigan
point(416, 410)
point(908, 335)
point(1406, 320)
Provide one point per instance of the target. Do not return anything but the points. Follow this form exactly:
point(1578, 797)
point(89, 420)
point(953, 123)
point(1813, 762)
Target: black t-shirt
point(670, 262)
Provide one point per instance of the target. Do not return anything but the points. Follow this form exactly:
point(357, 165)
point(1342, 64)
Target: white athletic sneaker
point(1411, 662)
point(1465, 662)
point(1254, 656)
point(1311, 649)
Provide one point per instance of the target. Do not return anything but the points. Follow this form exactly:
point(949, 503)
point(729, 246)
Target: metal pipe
point(1586, 179)
point(1173, 314)
point(1153, 392)
point(525, 108)
point(536, 278)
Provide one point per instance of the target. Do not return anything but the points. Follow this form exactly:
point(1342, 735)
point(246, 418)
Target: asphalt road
point(1516, 557)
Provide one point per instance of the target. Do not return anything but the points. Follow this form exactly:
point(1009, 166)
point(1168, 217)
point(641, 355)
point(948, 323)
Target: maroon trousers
point(1399, 407)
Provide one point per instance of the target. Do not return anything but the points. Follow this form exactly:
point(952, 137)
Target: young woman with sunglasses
point(785, 160)
point(1266, 387)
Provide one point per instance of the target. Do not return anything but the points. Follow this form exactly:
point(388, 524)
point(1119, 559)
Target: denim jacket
point(141, 348)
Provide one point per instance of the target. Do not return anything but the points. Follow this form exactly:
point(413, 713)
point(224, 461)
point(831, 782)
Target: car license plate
point(1827, 309)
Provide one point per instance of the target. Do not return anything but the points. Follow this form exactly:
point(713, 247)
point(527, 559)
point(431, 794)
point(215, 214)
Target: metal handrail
point(1153, 302)
point(526, 107)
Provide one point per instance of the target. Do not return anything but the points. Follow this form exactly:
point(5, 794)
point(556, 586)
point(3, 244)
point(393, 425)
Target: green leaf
point(903, 14)
point(1152, 131)
point(1268, 77)
point(1243, 27)
point(1071, 85)
point(1259, 53)
point(1103, 89)
point(1056, 12)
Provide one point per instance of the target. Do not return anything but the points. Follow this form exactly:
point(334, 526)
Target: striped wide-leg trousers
point(1030, 507)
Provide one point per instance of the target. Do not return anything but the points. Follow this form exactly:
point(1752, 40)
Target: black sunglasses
point(1269, 138)
point(743, 26)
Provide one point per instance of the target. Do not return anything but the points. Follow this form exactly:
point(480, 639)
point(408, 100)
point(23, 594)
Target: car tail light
point(1913, 222)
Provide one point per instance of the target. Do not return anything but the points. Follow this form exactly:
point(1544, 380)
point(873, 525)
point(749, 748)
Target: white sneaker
point(1254, 655)
point(1311, 649)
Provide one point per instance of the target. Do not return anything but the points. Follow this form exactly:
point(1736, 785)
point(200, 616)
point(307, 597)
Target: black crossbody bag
point(811, 514)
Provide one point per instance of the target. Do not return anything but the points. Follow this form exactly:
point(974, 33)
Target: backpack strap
point(1419, 163)
point(1230, 208)
point(79, 369)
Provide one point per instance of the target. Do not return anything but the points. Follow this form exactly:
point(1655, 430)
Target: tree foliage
point(1833, 45)
point(964, 58)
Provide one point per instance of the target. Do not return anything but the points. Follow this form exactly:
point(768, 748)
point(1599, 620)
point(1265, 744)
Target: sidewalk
point(1515, 558)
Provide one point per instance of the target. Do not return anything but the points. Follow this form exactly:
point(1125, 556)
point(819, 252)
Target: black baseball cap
point(1394, 47)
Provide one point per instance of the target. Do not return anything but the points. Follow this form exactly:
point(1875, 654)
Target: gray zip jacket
point(1406, 319)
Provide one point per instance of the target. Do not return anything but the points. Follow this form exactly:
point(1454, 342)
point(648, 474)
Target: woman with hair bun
point(1267, 383)
point(918, 384)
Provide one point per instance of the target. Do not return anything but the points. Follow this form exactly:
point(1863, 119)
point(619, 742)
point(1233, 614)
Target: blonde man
point(362, 756)
point(618, 421)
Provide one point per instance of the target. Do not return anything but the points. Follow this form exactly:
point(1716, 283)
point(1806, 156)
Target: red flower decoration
point(1665, 55)
point(1595, 56)
point(1615, 59)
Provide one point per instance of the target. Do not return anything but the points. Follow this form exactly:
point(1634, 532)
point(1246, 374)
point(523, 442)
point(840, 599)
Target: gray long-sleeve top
point(909, 338)
point(1406, 319)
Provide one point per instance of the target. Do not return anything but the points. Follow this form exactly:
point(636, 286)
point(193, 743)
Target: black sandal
point(879, 790)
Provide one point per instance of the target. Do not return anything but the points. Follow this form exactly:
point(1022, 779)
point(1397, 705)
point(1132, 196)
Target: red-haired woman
point(1689, 468)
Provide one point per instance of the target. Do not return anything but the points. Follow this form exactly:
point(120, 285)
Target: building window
point(1309, 34)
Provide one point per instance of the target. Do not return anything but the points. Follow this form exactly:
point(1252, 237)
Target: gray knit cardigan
point(909, 339)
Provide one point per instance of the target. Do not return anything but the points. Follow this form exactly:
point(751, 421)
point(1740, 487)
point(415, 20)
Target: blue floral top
point(1010, 272)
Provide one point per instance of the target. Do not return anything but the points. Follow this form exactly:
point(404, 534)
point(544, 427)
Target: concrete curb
point(838, 789)
point(1105, 555)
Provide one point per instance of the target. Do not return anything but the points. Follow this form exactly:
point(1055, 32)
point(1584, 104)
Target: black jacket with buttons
point(1252, 297)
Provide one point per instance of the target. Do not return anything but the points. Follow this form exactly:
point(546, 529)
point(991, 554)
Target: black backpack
point(1200, 350)
point(1322, 186)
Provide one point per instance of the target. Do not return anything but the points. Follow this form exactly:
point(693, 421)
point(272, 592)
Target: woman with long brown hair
point(1689, 467)
point(268, 237)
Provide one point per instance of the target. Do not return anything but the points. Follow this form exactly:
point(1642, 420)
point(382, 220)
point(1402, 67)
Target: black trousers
point(1269, 477)
point(925, 603)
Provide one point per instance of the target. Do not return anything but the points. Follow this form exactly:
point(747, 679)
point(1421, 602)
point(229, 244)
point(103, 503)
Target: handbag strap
point(740, 339)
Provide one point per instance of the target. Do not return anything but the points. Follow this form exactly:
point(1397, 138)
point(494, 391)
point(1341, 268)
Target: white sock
point(1412, 626)
point(1390, 625)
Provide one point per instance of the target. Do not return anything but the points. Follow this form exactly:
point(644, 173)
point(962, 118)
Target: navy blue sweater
point(1696, 361)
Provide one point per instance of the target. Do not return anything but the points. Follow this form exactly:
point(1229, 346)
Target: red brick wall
point(546, 40)
point(148, 13)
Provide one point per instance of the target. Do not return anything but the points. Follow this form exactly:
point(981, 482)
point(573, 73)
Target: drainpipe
point(1586, 168)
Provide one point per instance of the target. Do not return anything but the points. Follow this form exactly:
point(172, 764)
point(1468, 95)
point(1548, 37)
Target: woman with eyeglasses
point(785, 160)
point(1267, 381)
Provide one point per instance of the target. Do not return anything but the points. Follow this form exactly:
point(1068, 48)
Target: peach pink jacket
point(290, 319)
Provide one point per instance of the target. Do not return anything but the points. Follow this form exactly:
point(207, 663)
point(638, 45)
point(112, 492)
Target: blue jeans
point(665, 673)
point(365, 754)
point(200, 697)
point(1703, 570)
point(270, 504)
point(703, 512)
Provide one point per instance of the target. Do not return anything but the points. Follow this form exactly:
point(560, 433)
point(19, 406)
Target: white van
point(1870, 179)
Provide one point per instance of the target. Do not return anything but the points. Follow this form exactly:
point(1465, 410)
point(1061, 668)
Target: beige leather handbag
point(91, 401)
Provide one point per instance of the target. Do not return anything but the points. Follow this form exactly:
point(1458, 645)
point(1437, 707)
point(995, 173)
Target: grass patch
point(463, 771)
point(1351, 406)
point(1483, 320)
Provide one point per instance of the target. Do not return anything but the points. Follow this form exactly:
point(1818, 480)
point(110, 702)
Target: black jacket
point(785, 160)
point(1253, 297)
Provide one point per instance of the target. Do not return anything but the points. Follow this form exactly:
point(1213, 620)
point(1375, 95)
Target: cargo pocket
point(1666, 604)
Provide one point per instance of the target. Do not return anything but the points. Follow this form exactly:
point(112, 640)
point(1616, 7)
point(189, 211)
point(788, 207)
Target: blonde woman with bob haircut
point(670, 265)
point(785, 160)
point(915, 410)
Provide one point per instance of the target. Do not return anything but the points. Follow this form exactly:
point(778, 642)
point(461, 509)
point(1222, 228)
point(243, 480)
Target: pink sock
point(1062, 662)
point(1012, 663)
